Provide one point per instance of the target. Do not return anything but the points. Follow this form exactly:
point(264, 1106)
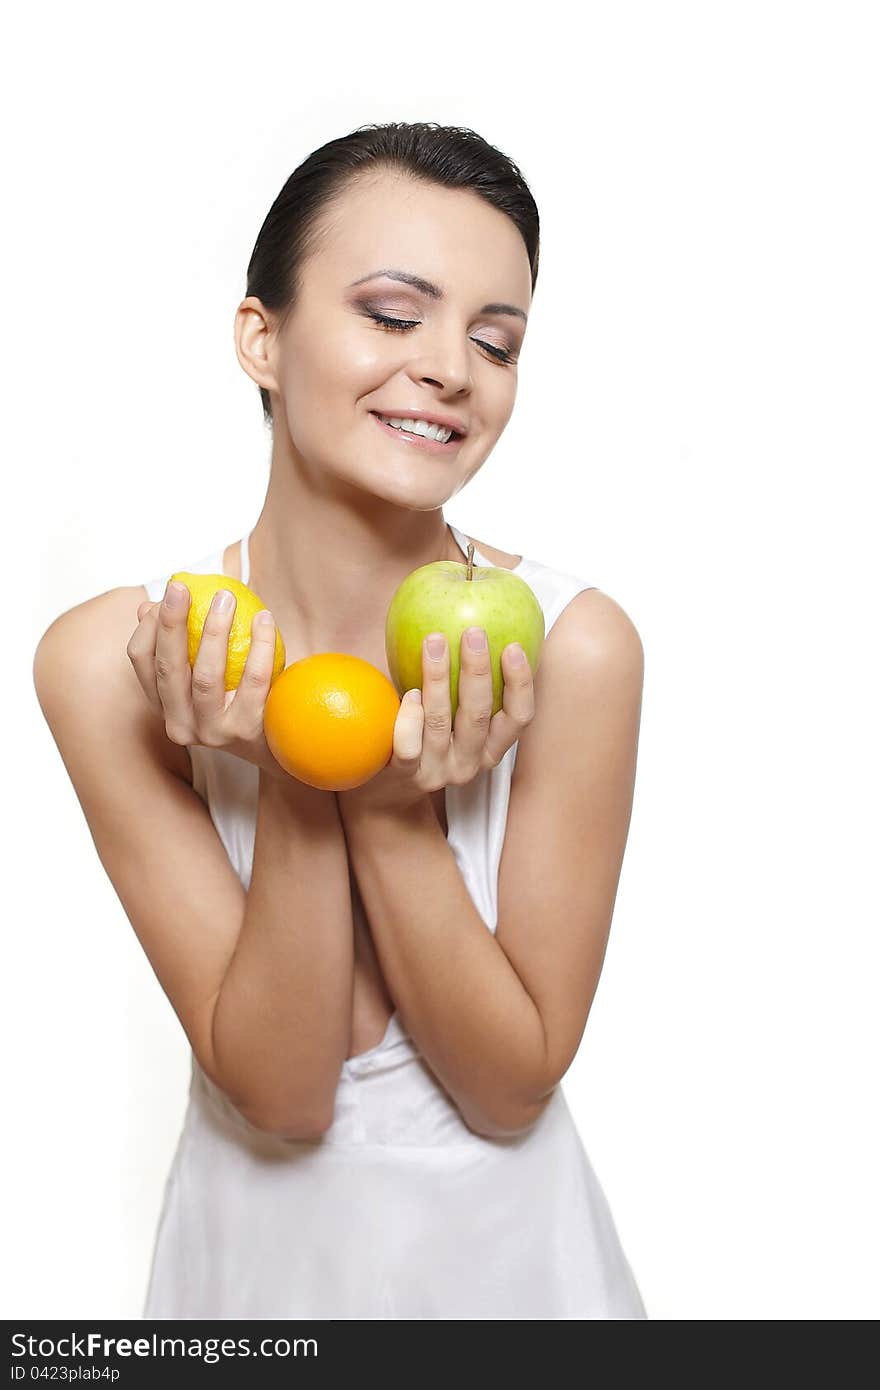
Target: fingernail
point(414, 697)
point(436, 646)
point(517, 655)
point(222, 601)
point(175, 594)
point(264, 617)
point(476, 639)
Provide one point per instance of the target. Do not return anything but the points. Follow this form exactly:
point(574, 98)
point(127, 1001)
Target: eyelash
point(401, 326)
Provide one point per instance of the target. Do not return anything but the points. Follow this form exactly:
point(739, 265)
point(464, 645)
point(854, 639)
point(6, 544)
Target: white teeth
point(438, 432)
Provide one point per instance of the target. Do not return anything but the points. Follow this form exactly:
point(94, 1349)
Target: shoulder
point(82, 637)
point(588, 689)
point(82, 654)
point(594, 632)
point(592, 629)
point(592, 619)
point(81, 671)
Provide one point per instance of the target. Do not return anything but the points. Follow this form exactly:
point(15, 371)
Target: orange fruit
point(329, 720)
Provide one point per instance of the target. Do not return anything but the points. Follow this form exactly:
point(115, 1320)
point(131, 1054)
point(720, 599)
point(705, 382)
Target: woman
point(375, 1126)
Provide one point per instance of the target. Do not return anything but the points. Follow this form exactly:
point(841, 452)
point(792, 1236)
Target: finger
point(475, 697)
point(173, 675)
point(519, 705)
point(249, 699)
point(209, 668)
point(408, 729)
point(437, 705)
point(141, 651)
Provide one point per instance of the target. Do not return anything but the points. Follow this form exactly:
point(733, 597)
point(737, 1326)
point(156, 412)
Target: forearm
point(456, 991)
point(283, 1016)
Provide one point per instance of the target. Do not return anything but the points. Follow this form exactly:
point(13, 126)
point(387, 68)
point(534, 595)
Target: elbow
point(513, 1122)
point(309, 1128)
point(310, 1133)
point(513, 1112)
point(305, 1116)
point(304, 1124)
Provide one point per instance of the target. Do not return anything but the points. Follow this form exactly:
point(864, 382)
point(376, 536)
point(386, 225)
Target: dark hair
point(451, 156)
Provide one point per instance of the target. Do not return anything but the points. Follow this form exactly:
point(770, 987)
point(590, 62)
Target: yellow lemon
point(202, 588)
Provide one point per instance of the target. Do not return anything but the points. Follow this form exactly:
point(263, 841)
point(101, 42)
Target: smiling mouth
point(423, 440)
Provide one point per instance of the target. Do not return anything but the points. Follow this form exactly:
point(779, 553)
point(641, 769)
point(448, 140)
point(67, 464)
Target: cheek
point(355, 366)
point(500, 400)
point(331, 381)
point(368, 366)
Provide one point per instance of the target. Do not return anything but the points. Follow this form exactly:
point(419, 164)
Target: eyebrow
point(434, 291)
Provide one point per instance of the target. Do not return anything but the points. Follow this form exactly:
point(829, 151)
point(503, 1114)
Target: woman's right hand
point(193, 702)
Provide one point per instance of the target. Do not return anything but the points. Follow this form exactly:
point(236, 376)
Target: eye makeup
point(401, 325)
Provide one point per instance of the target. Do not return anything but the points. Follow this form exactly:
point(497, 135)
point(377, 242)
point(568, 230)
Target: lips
point(417, 441)
point(448, 422)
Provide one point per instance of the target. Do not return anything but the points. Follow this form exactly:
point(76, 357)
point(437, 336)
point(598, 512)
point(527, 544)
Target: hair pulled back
point(451, 156)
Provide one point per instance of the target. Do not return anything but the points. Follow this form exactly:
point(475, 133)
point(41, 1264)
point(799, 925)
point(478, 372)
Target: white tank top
point(399, 1210)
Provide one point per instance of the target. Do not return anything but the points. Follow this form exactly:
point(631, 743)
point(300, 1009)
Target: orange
point(329, 720)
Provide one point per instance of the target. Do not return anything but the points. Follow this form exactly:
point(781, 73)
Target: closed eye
point(402, 325)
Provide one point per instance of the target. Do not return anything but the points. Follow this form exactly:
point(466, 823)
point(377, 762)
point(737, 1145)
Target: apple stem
point(470, 561)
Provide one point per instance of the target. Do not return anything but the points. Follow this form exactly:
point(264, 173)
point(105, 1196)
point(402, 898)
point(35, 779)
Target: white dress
point(398, 1210)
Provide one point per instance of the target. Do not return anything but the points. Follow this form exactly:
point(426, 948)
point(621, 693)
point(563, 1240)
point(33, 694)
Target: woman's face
point(335, 364)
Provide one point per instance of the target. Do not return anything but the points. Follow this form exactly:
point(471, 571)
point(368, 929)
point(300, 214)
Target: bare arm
point(260, 980)
point(499, 1018)
point(282, 1018)
point(456, 991)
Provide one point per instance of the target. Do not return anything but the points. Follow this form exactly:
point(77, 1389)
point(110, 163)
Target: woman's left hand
point(429, 752)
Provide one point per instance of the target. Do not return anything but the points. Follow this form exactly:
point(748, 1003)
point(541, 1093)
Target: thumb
point(408, 728)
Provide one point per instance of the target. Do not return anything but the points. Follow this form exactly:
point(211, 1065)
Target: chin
point(406, 488)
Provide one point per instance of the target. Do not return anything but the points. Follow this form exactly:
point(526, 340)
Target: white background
point(696, 432)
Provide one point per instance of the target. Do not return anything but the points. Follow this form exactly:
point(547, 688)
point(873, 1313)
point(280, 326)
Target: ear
point(255, 342)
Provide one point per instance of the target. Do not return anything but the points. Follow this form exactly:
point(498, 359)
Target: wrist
point(272, 769)
point(355, 811)
point(298, 796)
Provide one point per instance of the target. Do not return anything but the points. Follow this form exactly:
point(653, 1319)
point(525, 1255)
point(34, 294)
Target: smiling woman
point(382, 987)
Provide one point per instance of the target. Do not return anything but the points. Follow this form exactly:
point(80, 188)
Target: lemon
point(202, 588)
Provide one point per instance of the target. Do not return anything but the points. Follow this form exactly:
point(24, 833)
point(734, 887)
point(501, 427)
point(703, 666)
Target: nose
point(444, 362)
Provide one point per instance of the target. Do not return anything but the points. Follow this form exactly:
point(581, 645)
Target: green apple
point(449, 596)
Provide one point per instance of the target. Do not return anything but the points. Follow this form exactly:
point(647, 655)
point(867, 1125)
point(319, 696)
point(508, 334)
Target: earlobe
point(253, 342)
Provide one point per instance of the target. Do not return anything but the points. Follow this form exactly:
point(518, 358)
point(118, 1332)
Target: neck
point(326, 564)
